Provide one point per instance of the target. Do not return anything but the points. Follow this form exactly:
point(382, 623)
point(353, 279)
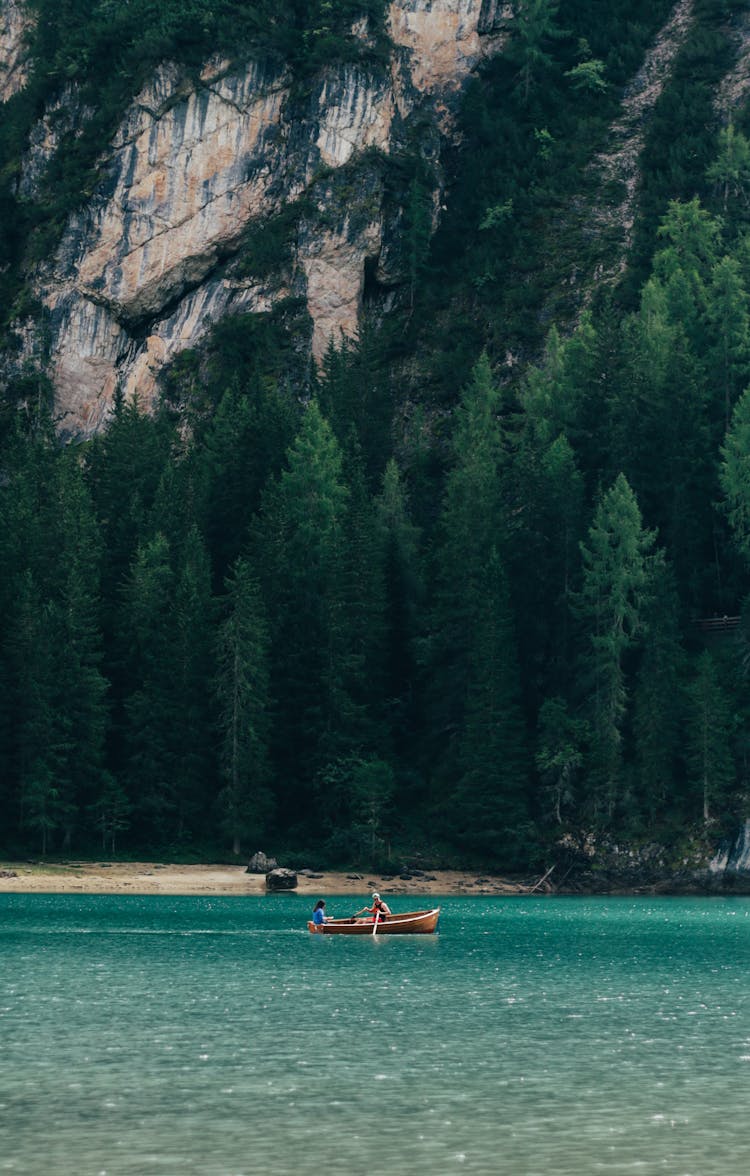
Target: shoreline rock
point(281, 879)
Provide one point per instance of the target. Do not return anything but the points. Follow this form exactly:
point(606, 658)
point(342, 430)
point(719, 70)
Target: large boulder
point(260, 864)
point(281, 879)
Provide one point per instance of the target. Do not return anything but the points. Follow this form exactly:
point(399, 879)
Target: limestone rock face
point(66, 115)
point(15, 22)
point(733, 856)
point(445, 40)
point(189, 173)
point(333, 265)
point(147, 265)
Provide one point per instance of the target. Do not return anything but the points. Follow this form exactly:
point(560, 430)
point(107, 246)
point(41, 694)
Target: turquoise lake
point(558, 1037)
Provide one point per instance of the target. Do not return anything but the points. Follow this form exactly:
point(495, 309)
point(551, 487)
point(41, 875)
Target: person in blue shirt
point(319, 914)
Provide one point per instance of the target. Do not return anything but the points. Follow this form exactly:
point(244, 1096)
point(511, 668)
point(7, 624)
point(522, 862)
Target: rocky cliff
point(159, 251)
point(14, 24)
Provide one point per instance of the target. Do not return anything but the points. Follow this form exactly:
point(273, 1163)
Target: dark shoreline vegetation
point(421, 605)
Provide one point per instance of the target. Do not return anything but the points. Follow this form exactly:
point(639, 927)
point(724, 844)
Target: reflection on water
point(558, 1037)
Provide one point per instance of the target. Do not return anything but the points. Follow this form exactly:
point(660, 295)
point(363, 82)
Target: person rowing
point(379, 909)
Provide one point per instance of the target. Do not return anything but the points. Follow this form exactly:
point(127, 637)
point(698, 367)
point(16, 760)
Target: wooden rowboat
point(408, 923)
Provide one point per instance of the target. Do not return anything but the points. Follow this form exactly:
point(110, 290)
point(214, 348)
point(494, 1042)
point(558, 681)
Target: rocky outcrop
point(735, 86)
point(281, 879)
point(332, 261)
point(732, 858)
point(261, 864)
point(618, 165)
point(188, 175)
point(148, 264)
point(445, 39)
point(594, 864)
point(15, 23)
point(65, 117)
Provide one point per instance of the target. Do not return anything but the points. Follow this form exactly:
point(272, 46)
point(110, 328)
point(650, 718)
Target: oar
point(375, 924)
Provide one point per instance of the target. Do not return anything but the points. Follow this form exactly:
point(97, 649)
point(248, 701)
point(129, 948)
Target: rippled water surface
point(562, 1037)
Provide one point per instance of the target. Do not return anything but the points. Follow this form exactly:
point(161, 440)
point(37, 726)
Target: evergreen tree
point(728, 359)
point(191, 639)
point(178, 510)
point(658, 704)
point(242, 446)
point(110, 812)
point(684, 265)
point(26, 474)
point(52, 647)
point(151, 712)
point(730, 171)
point(544, 492)
point(616, 569)
point(125, 464)
point(242, 702)
point(363, 610)
point(660, 428)
point(470, 526)
point(80, 688)
point(533, 27)
point(473, 660)
point(418, 216)
point(358, 793)
point(560, 754)
point(400, 559)
point(36, 735)
point(489, 804)
point(707, 738)
point(734, 474)
point(355, 394)
point(300, 538)
point(124, 467)
point(692, 238)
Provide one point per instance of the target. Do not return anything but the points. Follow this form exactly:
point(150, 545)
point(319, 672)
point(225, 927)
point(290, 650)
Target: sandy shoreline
point(157, 878)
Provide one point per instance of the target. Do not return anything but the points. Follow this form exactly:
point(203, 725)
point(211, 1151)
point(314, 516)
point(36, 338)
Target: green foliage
point(735, 474)
point(356, 797)
point(589, 73)
point(300, 552)
point(730, 171)
point(471, 657)
point(403, 602)
point(560, 754)
point(681, 143)
point(533, 28)
point(657, 712)
point(110, 812)
point(709, 758)
point(242, 696)
point(614, 589)
point(266, 246)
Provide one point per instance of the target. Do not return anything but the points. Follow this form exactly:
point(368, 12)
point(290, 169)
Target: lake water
point(559, 1037)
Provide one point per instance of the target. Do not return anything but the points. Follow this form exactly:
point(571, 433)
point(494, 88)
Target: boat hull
point(409, 923)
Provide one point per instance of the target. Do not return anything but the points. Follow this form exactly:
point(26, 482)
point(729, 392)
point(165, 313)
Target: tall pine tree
point(616, 571)
point(242, 706)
